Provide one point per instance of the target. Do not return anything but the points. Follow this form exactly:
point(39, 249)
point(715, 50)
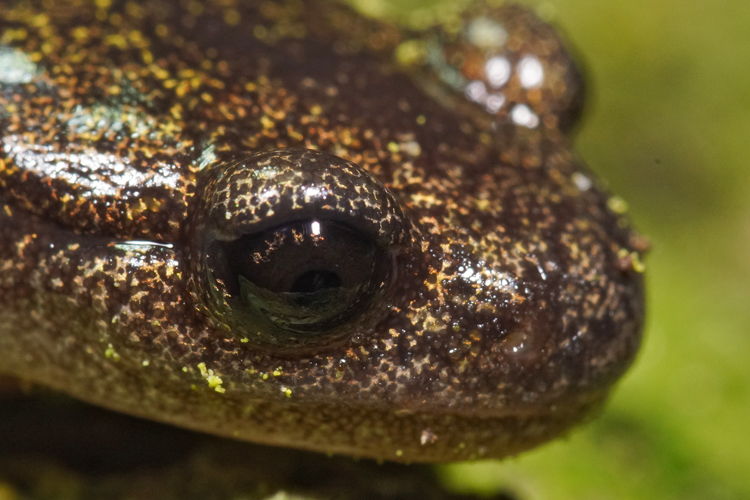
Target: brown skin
point(512, 298)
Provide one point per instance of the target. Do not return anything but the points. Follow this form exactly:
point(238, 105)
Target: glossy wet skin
point(489, 293)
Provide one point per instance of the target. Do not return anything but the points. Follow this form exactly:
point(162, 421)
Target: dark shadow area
point(54, 447)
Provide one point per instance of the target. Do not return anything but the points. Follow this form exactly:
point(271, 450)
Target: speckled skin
point(518, 300)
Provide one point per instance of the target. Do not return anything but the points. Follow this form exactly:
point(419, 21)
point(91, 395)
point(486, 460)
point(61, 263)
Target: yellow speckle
point(266, 122)
point(160, 73)
point(295, 134)
point(421, 120)
point(134, 9)
point(264, 376)
point(617, 205)
point(412, 148)
point(110, 353)
point(185, 369)
point(136, 37)
point(316, 110)
point(635, 260)
point(232, 17)
point(161, 30)
point(393, 147)
point(482, 205)
point(115, 19)
point(186, 73)
point(638, 265)
point(287, 391)
point(399, 453)
point(12, 35)
point(244, 340)
point(195, 8)
point(182, 88)
point(214, 381)
point(117, 41)
point(410, 53)
point(277, 372)
point(207, 97)
point(114, 90)
point(260, 32)
point(80, 33)
point(103, 4)
point(40, 20)
point(146, 362)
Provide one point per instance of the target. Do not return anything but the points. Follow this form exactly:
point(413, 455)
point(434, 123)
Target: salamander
point(285, 223)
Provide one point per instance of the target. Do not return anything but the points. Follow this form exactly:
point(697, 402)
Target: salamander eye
point(304, 277)
point(294, 250)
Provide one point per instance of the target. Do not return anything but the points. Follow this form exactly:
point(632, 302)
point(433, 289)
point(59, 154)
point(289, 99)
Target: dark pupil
point(314, 281)
point(306, 276)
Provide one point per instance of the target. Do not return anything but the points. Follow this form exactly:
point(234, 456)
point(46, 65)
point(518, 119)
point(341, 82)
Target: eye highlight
point(295, 250)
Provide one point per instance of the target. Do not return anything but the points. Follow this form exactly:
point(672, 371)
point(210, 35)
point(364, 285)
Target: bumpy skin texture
point(518, 301)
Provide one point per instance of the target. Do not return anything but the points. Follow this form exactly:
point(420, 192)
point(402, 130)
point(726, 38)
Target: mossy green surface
point(667, 125)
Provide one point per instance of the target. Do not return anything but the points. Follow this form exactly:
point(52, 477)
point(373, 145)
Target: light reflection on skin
point(314, 192)
point(98, 174)
point(498, 71)
point(486, 33)
point(142, 245)
point(477, 92)
point(488, 277)
point(16, 67)
point(523, 116)
point(531, 72)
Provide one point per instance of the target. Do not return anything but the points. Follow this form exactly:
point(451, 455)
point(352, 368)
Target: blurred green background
point(668, 127)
